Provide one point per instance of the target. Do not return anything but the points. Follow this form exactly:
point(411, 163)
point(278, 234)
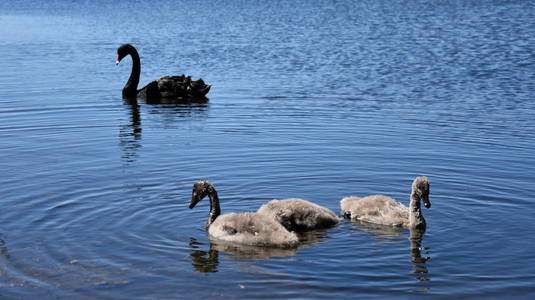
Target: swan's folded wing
point(171, 87)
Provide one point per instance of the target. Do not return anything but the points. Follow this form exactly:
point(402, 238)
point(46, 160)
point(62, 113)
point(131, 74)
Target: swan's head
point(420, 187)
point(201, 189)
point(123, 51)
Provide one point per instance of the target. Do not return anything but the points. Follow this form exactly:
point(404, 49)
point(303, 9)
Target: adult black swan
point(167, 87)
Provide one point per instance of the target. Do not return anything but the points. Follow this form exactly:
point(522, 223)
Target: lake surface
point(312, 99)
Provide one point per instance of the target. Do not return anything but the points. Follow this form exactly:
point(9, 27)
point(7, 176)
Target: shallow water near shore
point(312, 99)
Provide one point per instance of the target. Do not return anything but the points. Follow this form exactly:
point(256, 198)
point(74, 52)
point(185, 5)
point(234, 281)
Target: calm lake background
point(311, 99)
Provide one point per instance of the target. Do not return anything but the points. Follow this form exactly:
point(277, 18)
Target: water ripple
point(313, 100)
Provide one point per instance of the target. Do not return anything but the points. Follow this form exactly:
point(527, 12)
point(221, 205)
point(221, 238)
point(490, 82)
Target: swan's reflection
point(208, 260)
point(252, 252)
point(130, 133)
point(3, 247)
point(387, 234)
point(203, 261)
point(419, 262)
point(171, 112)
point(383, 234)
point(189, 101)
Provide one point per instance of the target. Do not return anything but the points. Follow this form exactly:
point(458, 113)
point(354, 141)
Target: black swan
point(242, 228)
point(167, 87)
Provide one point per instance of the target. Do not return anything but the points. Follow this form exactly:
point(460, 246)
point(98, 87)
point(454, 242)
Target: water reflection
point(130, 133)
point(383, 234)
point(388, 234)
point(171, 112)
point(203, 261)
point(3, 247)
point(199, 100)
point(252, 252)
point(419, 262)
point(208, 260)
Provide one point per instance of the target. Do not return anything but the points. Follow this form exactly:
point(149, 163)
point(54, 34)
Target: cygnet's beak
point(194, 200)
point(425, 199)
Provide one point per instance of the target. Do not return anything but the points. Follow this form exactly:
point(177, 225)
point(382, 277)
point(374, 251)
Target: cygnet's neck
point(215, 210)
point(416, 219)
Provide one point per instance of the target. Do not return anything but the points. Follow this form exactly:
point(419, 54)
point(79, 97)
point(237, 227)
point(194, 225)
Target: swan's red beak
point(118, 60)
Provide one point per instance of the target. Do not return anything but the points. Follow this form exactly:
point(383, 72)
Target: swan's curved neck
point(130, 88)
point(215, 210)
point(416, 219)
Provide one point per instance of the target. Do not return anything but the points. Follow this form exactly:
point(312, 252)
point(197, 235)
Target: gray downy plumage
point(380, 209)
point(298, 214)
point(246, 228)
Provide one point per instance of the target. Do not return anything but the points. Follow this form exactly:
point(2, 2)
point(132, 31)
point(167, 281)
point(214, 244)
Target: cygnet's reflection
point(419, 262)
point(381, 233)
point(207, 260)
point(251, 252)
point(203, 261)
point(386, 234)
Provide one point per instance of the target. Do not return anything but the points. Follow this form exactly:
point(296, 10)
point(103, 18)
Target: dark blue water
point(312, 99)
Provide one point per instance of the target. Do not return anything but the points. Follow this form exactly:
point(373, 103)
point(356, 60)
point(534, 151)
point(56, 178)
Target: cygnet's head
point(420, 187)
point(201, 189)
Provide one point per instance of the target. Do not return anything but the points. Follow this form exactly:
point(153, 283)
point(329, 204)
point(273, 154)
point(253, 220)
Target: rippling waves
point(318, 100)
